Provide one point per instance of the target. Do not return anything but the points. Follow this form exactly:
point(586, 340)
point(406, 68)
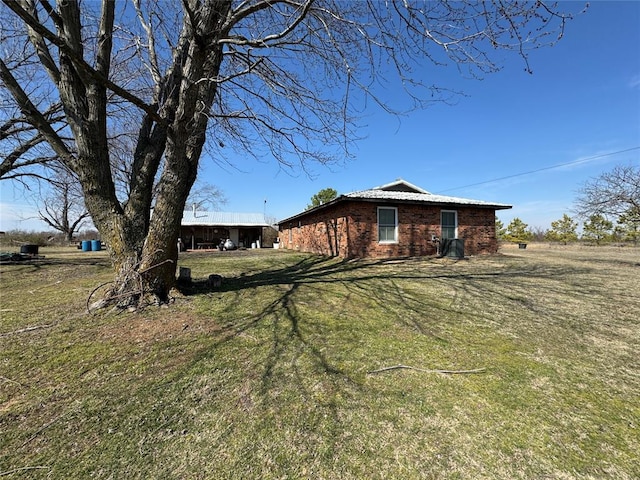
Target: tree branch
point(448, 372)
point(105, 42)
point(34, 116)
point(264, 42)
point(79, 61)
point(41, 47)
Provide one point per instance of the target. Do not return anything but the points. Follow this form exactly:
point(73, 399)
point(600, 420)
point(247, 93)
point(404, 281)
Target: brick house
point(394, 220)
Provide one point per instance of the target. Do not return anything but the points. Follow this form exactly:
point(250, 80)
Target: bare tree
point(206, 196)
point(62, 208)
point(610, 194)
point(283, 78)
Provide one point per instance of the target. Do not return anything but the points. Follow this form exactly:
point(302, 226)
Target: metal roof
point(429, 198)
point(223, 219)
point(402, 191)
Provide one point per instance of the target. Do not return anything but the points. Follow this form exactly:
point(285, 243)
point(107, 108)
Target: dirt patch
point(156, 328)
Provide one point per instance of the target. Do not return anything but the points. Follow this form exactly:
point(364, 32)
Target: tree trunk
point(185, 139)
point(144, 248)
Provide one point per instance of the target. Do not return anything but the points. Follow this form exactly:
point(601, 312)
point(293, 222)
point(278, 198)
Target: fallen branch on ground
point(448, 372)
point(10, 381)
point(22, 469)
point(43, 428)
point(28, 329)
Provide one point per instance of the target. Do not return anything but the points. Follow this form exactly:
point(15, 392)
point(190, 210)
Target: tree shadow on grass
point(300, 355)
point(383, 283)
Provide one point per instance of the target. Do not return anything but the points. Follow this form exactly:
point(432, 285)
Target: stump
point(215, 280)
point(185, 275)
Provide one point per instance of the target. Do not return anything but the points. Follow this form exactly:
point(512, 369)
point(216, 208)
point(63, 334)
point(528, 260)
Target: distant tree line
point(609, 206)
point(12, 239)
point(596, 229)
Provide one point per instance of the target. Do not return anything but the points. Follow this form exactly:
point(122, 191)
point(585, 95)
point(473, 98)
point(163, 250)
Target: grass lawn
point(277, 373)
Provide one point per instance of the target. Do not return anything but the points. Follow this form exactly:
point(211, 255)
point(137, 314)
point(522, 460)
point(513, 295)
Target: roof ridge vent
point(401, 185)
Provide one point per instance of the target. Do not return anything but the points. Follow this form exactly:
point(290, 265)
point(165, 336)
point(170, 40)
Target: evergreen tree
point(501, 232)
point(629, 225)
point(563, 230)
point(323, 196)
point(597, 229)
point(518, 231)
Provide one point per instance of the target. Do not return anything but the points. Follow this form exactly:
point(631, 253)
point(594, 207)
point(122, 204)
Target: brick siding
point(350, 230)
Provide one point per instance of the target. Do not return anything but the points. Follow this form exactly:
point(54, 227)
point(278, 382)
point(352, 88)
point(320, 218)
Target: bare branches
point(32, 114)
point(611, 194)
point(154, 66)
point(329, 58)
point(74, 51)
point(299, 12)
point(63, 207)
point(9, 162)
point(40, 45)
point(22, 145)
point(340, 51)
point(105, 39)
point(204, 195)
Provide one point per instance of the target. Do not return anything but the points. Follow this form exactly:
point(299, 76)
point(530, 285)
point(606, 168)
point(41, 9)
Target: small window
point(449, 224)
point(387, 224)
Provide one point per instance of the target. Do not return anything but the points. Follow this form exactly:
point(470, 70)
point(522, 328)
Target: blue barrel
point(86, 245)
point(96, 245)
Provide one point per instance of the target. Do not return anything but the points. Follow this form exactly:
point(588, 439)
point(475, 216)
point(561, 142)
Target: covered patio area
point(206, 230)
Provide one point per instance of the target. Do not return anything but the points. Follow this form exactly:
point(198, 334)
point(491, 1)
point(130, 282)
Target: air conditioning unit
point(452, 247)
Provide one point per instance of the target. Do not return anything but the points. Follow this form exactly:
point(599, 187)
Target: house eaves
point(425, 198)
point(379, 195)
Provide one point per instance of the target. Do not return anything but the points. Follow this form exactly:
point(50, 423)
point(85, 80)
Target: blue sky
point(581, 103)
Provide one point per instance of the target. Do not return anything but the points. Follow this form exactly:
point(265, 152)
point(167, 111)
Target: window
point(387, 224)
point(449, 224)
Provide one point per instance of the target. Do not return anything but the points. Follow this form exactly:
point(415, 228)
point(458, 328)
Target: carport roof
point(223, 219)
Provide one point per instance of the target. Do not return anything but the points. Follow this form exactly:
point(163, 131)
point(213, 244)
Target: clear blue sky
point(582, 102)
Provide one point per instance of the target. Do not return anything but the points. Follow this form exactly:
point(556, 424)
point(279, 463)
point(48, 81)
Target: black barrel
point(29, 249)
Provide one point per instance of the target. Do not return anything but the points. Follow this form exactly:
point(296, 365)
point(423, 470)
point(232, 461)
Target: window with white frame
point(448, 224)
point(387, 224)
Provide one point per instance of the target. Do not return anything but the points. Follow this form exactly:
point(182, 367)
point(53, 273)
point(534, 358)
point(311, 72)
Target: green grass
point(268, 376)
